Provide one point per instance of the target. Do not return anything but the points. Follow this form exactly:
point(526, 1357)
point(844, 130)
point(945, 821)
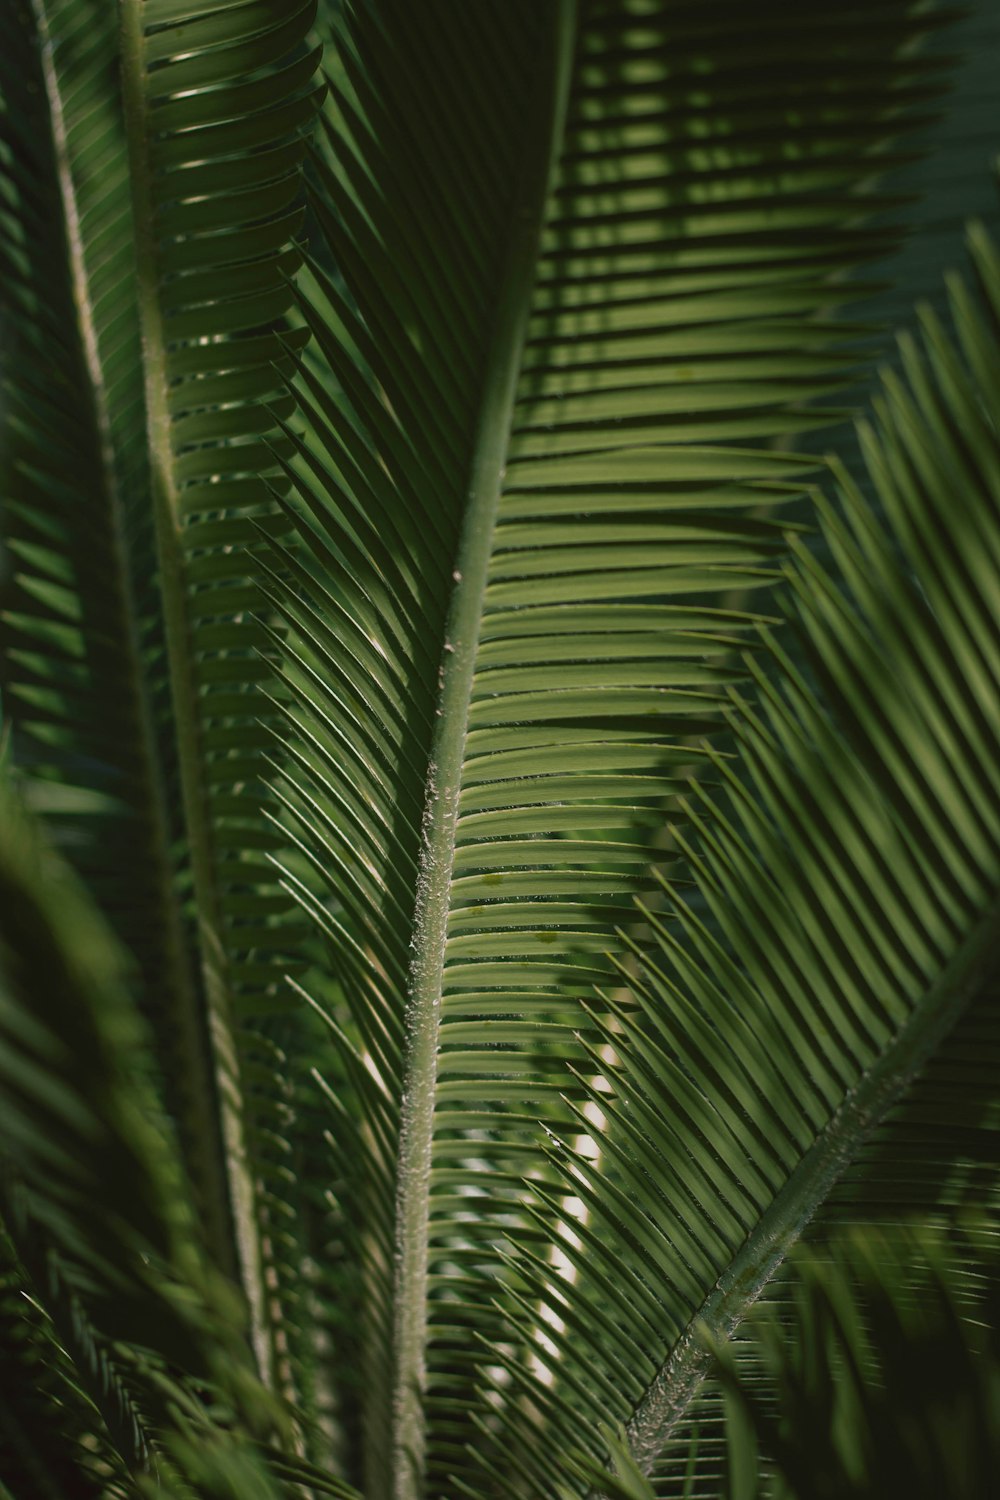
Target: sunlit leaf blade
point(933, 1157)
point(849, 876)
point(531, 1056)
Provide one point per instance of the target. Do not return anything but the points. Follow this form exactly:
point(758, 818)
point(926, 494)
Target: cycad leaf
point(93, 1194)
point(585, 287)
point(849, 878)
point(76, 529)
point(625, 1482)
point(882, 1374)
point(48, 1430)
point(218, 99)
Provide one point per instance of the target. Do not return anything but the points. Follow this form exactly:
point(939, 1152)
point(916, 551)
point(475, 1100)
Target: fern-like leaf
point(537, 471)
point(849, 876)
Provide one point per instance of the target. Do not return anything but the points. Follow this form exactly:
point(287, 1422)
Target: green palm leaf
point(949, 182)
point(534, 942)
point(92, 1192)
point(78, 621)
point(86, 642)
point(929, 1165)
point(850, 879)
point(875, 1373)
point(217, 99)
point(47, 1427)
point(888, 1381)
point(545, 473)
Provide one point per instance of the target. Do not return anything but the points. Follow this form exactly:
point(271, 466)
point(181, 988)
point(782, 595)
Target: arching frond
point(531, 936)
point(218, 99)
point(78, 625)
point(850, 878)
point(537, 472)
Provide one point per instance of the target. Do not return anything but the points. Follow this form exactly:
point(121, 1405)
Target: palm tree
point(503, 836)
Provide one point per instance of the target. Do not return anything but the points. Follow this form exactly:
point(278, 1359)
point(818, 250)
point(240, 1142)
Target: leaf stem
point(184, 691)
point(669, 1395)
point(475, 548)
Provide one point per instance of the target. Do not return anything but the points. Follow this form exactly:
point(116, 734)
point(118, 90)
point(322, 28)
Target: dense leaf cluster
point(500, 832)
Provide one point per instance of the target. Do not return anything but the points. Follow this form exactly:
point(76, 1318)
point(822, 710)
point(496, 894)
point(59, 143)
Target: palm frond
point(930, 1165)
point(49, 1433)
point(533, 944)
point(625, 1481)
point(218, 98)
point(538, 465)
point(948, 183)
point(77, 640)
point(93, 1194)
point(882, 1376)
point(849, 873)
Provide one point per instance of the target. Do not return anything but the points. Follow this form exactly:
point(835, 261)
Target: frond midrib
point(433, 897)
point(668, 1396)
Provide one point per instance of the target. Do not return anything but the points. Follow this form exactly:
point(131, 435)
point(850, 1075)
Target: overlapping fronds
point(946, 184)
point(79, 686)
point(48, 1431)
point(70, 370)
point(850, 878)
point(887, 1380)
point(876, 1373)
point(930, 1165)
point(547, 944)
point(932, 1159)
point(93, 1196)
point(536, 475)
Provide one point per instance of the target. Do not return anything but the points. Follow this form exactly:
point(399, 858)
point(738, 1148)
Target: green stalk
point(200, 1126)
point(669, 1395)
point(444, 778)
point(184, 692)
